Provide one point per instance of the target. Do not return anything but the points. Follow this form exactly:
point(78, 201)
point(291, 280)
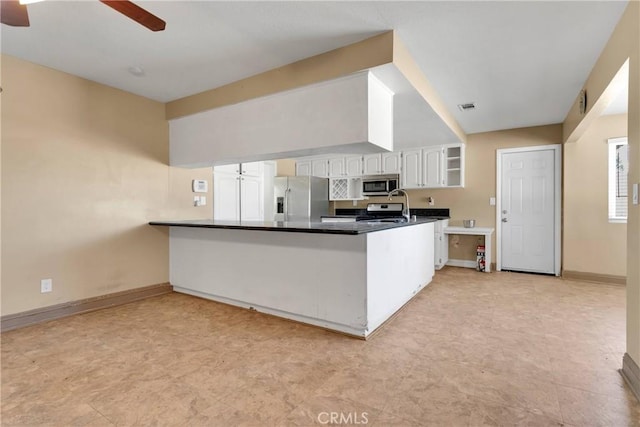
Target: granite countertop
point(352, 228)
point(434, 213)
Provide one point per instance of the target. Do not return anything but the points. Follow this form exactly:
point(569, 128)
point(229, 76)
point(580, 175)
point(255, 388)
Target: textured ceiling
point(522, 63)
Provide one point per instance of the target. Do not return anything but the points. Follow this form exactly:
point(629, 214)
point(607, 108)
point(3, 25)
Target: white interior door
point(528, 210)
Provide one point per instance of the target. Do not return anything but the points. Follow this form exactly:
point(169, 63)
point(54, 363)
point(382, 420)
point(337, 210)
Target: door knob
point(504, 211)
point(504, 219)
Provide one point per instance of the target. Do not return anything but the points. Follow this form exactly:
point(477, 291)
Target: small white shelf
point(474, 231)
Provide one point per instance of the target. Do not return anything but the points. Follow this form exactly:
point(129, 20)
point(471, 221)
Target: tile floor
point(471, 349)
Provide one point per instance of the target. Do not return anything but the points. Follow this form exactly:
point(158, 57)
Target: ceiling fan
point(14, 13)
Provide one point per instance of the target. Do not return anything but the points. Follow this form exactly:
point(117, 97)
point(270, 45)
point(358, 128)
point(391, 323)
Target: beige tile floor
point(471, 349)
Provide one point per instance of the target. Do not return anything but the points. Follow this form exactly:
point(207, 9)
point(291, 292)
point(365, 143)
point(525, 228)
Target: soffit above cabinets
point(353, 113)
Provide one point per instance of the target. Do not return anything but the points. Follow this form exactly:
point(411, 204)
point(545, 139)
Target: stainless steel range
point(376, 212)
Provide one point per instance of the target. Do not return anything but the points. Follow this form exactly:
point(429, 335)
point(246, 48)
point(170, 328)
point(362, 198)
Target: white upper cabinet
point(411, 176)
point(253, 168)
point(353, 166)
point(232, 168)
point(303, 168)
point(435, 166)
point(372, 164)
point(432, 167)
point(336, 167)
point(330, 167)
point(391, 162)
point(320, 167)
point(385, 163)
point(345, 166)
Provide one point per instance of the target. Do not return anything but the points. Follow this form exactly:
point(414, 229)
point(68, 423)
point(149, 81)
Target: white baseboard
point(631, 374)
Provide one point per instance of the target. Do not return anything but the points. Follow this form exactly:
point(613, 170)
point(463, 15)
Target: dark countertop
point(435, 213)
point(349, 228)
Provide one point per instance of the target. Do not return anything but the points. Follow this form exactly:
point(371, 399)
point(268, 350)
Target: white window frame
point(611, 189)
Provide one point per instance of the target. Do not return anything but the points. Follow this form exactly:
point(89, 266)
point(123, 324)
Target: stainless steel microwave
point(379, 185)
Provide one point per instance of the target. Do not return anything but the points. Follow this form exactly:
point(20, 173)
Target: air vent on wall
point(467, 107)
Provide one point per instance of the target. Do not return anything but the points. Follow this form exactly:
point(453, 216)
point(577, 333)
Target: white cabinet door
point(251, 198)
point(303, 168)
point(412, 169)
point(320, 167)
point(353, 166)
point(432, 167)
point(336, 167)
point(232, 168)
point(441, 253)
point(371, 164)
point(270, 168)
point(391, 163)
point(252, 168)
point(226, 196)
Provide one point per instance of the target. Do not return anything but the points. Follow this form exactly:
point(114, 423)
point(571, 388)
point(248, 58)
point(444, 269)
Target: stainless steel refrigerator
point(300, 198)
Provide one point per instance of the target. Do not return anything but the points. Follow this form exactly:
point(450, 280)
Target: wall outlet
point(492, 201)
point(46, 285)
point(430, 201)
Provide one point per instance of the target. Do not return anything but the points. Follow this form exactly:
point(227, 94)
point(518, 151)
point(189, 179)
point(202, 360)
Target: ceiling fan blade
point(13, 13)
point(136, 13)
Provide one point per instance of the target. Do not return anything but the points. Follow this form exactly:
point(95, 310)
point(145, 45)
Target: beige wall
point(632, 30)
point(84, 168)
point(472, 201)
point(286, 167)
point(591, 243)
point(623, 45)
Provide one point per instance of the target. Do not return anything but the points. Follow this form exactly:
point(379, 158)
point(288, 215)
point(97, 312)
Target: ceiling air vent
point(467, 107)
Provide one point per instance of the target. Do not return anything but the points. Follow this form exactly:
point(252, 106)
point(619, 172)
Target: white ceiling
point(522, 63)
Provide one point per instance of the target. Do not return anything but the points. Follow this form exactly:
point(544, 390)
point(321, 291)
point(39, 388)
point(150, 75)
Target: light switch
point(634, 199)
point(492, 201)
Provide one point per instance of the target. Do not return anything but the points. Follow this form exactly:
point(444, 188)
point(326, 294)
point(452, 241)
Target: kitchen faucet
point(405, 211)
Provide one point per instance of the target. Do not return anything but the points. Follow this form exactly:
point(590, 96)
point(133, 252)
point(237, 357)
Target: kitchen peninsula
point(347, 277)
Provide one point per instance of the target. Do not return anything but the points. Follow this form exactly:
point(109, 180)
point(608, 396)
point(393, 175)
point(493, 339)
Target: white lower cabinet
point(441, 241)
point(237, 196)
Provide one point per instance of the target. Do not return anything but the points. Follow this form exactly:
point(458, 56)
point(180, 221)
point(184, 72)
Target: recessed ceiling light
point(136, 71)
point(467, 107)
